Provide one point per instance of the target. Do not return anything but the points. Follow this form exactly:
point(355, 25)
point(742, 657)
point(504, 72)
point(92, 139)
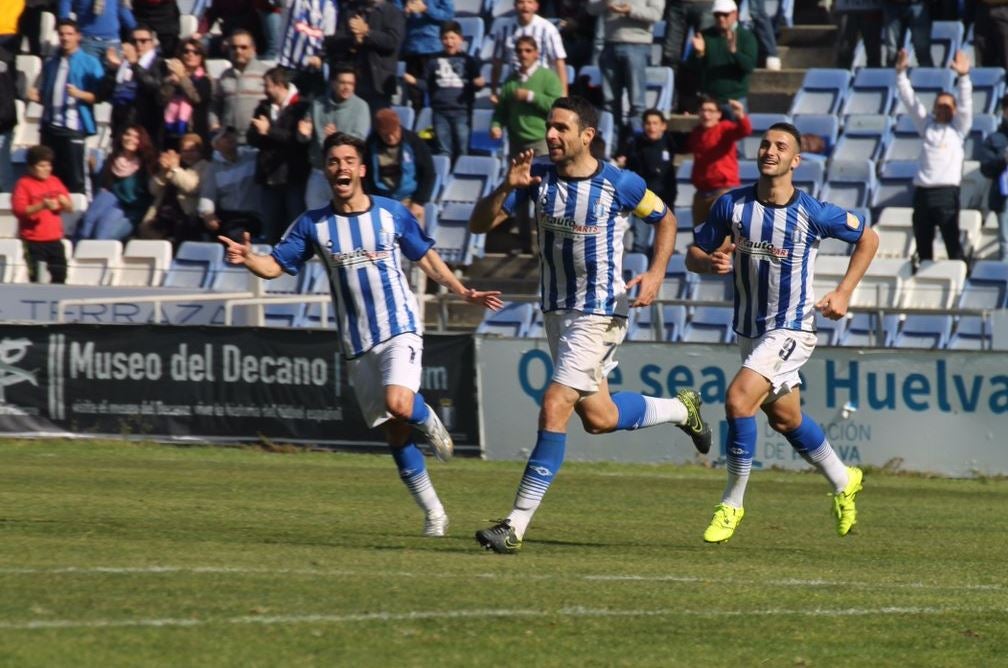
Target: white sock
point(825, 459)
point(520, 519)
point(422, 490)
point(734, 491)
point(658, 411)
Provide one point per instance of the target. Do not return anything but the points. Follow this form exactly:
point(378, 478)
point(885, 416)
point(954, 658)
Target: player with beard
point(583, 208)
point(358, 238)
point(768, 234)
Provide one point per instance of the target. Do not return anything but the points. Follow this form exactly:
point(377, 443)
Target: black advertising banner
point(214, 383)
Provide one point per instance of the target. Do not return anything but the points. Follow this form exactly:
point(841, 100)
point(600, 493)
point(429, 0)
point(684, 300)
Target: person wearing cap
point(229, 198)
point(399, 164)
point(724, 56)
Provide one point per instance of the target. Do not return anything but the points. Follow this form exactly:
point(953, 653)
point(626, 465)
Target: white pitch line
point(604, 577)
point(422, 615)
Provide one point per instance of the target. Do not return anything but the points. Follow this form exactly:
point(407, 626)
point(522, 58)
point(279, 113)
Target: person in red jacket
point(715, 157)
point(38, 199)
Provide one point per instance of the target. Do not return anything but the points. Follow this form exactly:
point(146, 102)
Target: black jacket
point(375, 59)
point(283, 157)
point(8, 92)
point(993, 163)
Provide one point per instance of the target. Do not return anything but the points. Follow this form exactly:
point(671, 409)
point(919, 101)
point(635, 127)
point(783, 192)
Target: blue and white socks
point(541, 469)
point(741, 446)
point(637, 411)
point(810, 442)
point(413, 472)
point(423, 416)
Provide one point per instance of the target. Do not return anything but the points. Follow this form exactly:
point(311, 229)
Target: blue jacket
point(114, 17)
point(423, 31)
point(993, 163)
point(413, 174)
point(85, 73)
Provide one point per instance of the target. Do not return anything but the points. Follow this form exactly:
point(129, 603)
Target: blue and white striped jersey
point(581, 227)
point(305, 25)
point(775, 252)
point(360, 252)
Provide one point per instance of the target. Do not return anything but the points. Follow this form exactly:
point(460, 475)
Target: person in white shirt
point(944, 130)
point(526, 21)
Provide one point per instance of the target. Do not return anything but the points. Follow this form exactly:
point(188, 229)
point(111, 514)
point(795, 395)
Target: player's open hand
point(648, 285)
point(833, 305)
point(721, 260)
point(489, 298)
point(234, 252)
point(520, 173)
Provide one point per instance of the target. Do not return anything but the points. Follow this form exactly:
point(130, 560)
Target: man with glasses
point(239, 88)
point(724, 56)
point(133, 84)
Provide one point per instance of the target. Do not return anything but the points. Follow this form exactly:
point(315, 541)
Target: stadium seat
point(873, 91)
point(713, 287)
point(215, 68)
point(634, 264)
point(983, 125)
point(748, 172)
point(480, 142)
point(469, 7)
point(406, 114)
point(988, 89)
point(927, 83)
point(660, 88)
point(882, 283)
point(28, 69)
point(923, 330)
point(513, 319)
point(472, 33)
point(828, 332)
point(607, 130)
point(710, 324)
point(679, 282)
point(188, 24)
point(936, 284)
point(986, 288)
point(849, 183)
point(195, 265)
point(684, 185)
point(906, 143)
point(808, 176)
point(970, 222)
point(232, 278)
point(94, 262)
point(658, 30)
point(895, 231)
point(822, 92)
point(452, 234)
point(829, 271)
point(12, 263)
point(833, 246)
point(671, 327)
point(865, 330)
point(946, 38)
point(865, 137)
point(536, 330)
point(826, 126)
point(144, 262)
point(8, 223)
point(760, 122)
point(895, 184)
point(473, 177)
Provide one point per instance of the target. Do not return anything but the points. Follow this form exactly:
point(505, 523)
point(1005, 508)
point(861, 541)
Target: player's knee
point(783, 424)
point(595, 424)
point(738, 405)
point(399, 406)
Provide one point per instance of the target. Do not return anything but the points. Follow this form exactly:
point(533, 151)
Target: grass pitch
point(115, 554)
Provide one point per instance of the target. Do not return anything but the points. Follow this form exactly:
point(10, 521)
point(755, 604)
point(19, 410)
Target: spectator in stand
point(527, 21)
point(450, 80)
point(270, 14)
point(423, 40)
point(282, 166)
point(863, 24)
point(230, 199)
point(38, 200)
point(369, 34)
point(305, 24)
point(101, 22)
point(8, 121)
point(651, 154)
point(577, 31)
point(944, 130)
point(239, 88)
point(339, 111)
point(68, 89)
point(898, 16)
point(162, 16)
point(715, 155)
point(235, 16)
point(123, 200)
point(134, 84)
point(399, 164)
point(625, 56)
point(990, 42)
point(766, 38)
point(994, 165)
point(185, 95)
point(724, 56)
point(30, 22)
point(175, 188)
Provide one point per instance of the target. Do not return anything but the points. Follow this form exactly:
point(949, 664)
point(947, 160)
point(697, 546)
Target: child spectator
point(450, 79)
point(715, 156)
point(651, 155)
point(38, 200)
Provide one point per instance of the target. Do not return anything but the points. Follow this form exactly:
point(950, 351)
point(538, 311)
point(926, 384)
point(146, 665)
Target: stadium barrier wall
point(940, 412)
point(219, 384)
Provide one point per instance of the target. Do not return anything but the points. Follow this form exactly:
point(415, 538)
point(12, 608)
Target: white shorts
point(778, 356)
point(583, 347)
point(397, 361)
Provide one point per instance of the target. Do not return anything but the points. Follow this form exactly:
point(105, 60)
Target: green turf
point(114, 554)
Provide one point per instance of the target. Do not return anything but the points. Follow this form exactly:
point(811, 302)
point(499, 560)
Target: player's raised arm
point(489, 212)
point(435, 268)
point(834, 304)
point(263, 266)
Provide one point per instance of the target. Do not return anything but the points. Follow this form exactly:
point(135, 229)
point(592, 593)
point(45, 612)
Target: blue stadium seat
point(983, 125)
point(986, 288)
point(642, 323)
point(678, 283)
point(424, 120)
point(658, 29)
point(895, 184)
point(988, 89)
point(442, 174)
point(760, 122)
point(872, 92)
point(921, 330)
point(826, 126)
point(643, 236)
point(946, 38)
point(710, 324)
point(195, 264)
point(472, 33)
point(607, 130)
point(829, 332)
point(684, 186)
point(471, 179)
point(809, 176)
point(469, 7)
point(406, 114)
point(480, 141)
point(713, 287)
point(862, 331)
point(634, 264)
point(452, 240)
point(748, 172)
point(865, 136)
point(660, 88)
point(849, 184)
point(927, 83)
point(906, 142)
point(513, 319)
point(823, 91)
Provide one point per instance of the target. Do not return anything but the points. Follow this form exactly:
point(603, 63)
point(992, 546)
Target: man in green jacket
point(525, 101)
point(724, 55)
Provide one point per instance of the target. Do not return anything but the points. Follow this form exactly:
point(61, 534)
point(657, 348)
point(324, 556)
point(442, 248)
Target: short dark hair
point(343, 139)
point(39, 153)
point(707, 99)
point(144, 26)
point(67, 22)
point(527, 39)
point(788, 128)
point(278, 76)
point(586, 112)
point(451, 26)
point(653, 112)
point(342, 69)
point(241, 31)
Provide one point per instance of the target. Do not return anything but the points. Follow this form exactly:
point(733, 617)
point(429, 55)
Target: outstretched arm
point(263, 266)
point(435, 268)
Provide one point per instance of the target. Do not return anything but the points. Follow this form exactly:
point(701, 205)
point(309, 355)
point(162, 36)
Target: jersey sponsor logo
point(568, 227)
point(359, 256)
point(761, 249)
